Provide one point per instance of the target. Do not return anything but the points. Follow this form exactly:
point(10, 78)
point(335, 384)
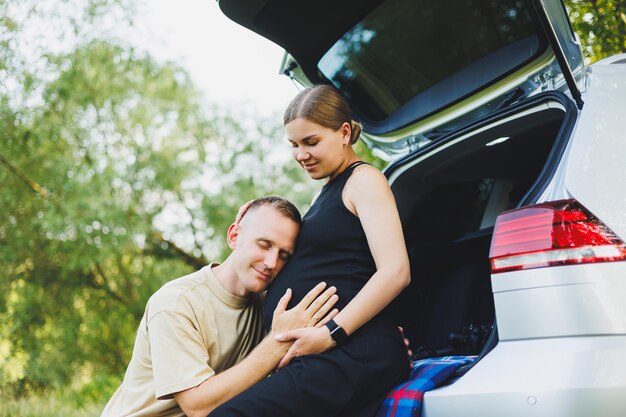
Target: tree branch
point(195, 261)
point(32, 184)
point(104, 286)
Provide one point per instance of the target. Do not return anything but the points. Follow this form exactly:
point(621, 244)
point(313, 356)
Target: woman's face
point(320, 150)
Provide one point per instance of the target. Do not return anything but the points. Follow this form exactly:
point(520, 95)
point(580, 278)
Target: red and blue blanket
point(406, 399)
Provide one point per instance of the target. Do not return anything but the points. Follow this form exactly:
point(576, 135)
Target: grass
point(64, 400)
point(48, 406)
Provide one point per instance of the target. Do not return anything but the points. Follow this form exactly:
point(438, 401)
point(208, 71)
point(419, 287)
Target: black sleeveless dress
point(348, 380)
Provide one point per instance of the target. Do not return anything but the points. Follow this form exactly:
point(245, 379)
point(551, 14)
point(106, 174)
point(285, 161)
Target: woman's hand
point(407, 343)
point(242, 211)
point(308, 341)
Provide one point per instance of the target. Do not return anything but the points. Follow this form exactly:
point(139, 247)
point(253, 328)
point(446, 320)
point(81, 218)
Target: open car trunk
point(413, 68)
point(449, 195)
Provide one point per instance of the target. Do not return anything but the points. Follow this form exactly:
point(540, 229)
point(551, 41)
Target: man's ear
point(232, 235)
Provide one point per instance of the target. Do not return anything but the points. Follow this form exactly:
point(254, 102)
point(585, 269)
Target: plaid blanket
point(406, 399)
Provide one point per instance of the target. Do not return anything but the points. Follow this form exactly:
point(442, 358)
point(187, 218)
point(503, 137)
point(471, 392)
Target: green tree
point(601, 25)
point(115, 178)
point(118, 181)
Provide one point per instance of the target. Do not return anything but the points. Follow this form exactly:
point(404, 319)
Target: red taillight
point(554, 233)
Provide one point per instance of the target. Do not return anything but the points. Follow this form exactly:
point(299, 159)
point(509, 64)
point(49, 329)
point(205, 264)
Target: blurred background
point(130, 133)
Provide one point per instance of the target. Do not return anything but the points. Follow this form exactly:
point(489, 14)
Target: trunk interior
point(449, 196)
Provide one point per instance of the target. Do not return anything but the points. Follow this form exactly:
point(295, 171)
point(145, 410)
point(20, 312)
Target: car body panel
point(559, 377)
point(596, 167)
point(572, 300)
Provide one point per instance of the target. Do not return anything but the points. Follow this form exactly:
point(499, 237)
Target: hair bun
point(355, 132)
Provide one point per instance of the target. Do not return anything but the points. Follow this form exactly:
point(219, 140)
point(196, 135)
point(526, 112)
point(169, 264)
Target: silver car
point(507, 157)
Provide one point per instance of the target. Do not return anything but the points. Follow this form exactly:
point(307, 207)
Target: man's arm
point(311, 311)
point(201, 400)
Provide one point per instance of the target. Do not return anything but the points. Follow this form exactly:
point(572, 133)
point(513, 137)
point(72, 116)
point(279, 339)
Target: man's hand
point(307, 341)
point(313, 310)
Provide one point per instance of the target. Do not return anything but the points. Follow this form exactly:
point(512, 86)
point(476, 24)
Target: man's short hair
point(283, 206)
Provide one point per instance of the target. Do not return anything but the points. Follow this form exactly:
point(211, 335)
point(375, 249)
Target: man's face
point(263, 243)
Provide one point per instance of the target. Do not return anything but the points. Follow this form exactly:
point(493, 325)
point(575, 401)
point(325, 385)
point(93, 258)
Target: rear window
point(395, 53)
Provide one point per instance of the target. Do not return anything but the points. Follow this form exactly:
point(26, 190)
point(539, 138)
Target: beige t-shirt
point(192, 329)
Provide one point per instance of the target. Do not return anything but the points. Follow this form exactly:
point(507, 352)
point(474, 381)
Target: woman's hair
point(324, 105)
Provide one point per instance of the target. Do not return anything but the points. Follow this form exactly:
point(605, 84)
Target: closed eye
point(307, 141)
point(263, 244)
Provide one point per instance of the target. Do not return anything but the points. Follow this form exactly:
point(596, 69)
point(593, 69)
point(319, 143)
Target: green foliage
point(366, 155)
point(85, 174)
point(601, 25)
point(117, 182)
point(115, 178)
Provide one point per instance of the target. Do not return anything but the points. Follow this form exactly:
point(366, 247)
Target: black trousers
point(350, 380)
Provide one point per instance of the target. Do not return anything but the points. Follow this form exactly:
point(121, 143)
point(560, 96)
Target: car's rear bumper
point(559, 377)
point(561, 301)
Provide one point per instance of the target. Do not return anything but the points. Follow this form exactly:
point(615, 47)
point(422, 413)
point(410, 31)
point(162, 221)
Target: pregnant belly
point(347, 288)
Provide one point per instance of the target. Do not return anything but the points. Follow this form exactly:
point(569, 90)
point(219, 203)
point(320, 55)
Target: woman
point(350, 238)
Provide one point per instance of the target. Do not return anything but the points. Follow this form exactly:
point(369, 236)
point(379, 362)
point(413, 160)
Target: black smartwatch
point(337, 332)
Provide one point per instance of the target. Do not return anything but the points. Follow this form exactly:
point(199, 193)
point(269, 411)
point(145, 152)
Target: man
point(196, 330)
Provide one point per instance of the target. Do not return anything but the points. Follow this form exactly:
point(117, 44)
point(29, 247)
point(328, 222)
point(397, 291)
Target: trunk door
point(414, 70)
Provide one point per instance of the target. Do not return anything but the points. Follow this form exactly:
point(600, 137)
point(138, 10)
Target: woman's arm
point(367, 194)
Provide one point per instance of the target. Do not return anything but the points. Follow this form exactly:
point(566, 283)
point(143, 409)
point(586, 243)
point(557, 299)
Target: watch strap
point(337, 332)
